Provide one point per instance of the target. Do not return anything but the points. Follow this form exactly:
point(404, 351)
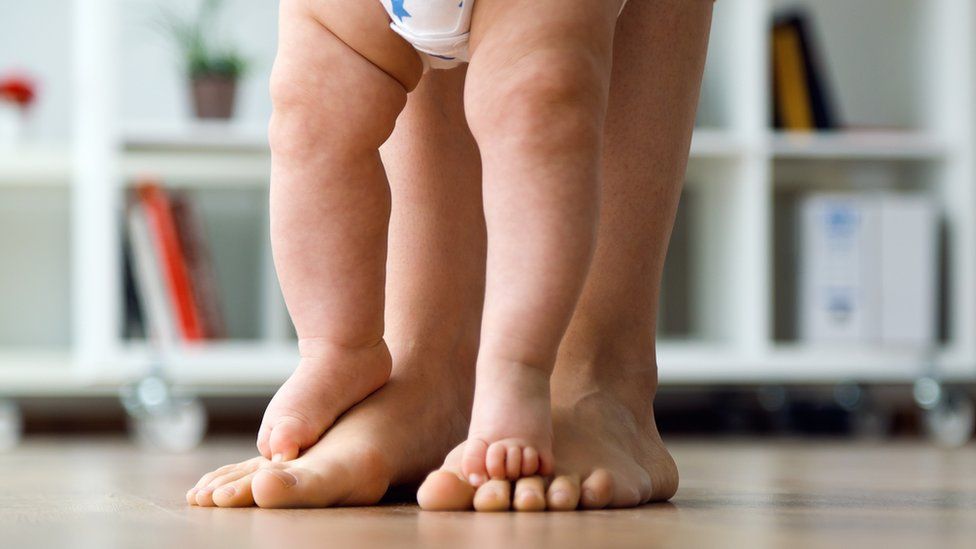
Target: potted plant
point(213, 70)
point(17, 94)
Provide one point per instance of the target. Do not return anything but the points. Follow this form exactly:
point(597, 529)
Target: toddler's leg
point(330, 205)
point(535, 99)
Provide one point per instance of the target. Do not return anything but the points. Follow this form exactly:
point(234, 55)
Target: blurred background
point(820, 280)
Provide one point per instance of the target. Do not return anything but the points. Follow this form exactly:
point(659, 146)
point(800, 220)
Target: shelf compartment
point(721, 85)
point(919, 179)
point(236, 232)
point(36, 40)
point(35, 274)
point(696, 297)
point(863, 44)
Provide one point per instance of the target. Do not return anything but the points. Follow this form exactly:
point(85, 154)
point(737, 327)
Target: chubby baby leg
point(535, 99)
point(340, 80)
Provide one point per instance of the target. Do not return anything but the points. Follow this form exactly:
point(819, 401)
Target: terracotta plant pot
point(214, 96)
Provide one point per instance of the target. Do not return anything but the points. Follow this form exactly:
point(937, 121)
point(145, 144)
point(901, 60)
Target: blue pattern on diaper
point(399, 10)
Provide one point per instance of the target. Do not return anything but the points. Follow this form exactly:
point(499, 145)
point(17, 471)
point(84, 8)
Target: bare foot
point(511, 428)
point(328, 381)
point(394, 437)
point(608, 456)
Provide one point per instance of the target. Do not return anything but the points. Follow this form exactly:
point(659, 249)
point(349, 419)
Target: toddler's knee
point(546, 99)
point(313, 115)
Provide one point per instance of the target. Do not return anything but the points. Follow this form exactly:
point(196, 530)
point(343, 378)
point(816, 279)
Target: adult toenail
point(476, 480)
point(560, 496)
point(285, 477)
point(277, 457)
point(527, 497)
point(228, 490)
point(589, 496)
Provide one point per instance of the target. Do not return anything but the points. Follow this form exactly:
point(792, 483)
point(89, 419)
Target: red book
point(173, 262)
point(200, 264)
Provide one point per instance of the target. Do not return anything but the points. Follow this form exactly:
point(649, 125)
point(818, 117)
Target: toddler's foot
point(511, 425)
point(328, 381)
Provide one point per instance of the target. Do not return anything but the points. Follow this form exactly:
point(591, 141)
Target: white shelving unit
point(128, 121)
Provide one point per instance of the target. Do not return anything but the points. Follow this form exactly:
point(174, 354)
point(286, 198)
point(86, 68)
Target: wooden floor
point(105, 493)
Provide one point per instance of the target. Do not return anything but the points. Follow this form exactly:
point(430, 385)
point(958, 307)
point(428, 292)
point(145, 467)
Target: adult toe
point(530, 494)
point(235, 494)
point(563, 493)
point(597, 490)
point(494, 495)
point(445, 491)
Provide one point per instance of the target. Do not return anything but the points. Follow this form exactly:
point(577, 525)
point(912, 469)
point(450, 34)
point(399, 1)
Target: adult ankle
point(625, 375)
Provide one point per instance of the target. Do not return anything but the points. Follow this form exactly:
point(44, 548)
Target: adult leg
point(606, 374)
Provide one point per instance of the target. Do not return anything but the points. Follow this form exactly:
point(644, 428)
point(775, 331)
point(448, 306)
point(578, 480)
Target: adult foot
point(511, 429)
point(608, 455)
point(328, 381)
point(394, 437)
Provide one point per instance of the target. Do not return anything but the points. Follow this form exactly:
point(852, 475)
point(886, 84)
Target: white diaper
point(438, 29)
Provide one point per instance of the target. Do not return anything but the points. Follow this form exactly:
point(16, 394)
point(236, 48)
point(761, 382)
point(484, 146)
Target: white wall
point(35, 38)
point(153, 86)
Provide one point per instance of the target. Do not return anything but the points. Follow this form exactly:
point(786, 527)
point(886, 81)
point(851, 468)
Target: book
point(148, 280)
point(793, 105)
point(171, 260)
point(133, 319)
point(801, 98)
point(199, 260)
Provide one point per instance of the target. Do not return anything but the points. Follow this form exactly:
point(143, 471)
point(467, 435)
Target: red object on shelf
point(19, 90)
point(167, 241)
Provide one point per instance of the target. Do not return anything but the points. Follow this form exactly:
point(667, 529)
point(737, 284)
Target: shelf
point(854, 145)
point(204, 169)
point(714, 143)
point(197, 153)
point(196, 135)
point(696, 363)
point(233, 366)
point(33, 165)
point(27, 372)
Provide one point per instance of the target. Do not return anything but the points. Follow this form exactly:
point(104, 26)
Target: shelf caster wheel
point(775, 401)
point(160, 420)
point(11, 425)
point(949, 414)
point(867, 419)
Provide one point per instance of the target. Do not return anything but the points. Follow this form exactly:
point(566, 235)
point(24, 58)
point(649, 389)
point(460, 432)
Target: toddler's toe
point(288, 437)
point(473, 461)
point(513, 462)
point(530, 461)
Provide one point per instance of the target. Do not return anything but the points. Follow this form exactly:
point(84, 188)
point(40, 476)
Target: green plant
point(194, 37)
